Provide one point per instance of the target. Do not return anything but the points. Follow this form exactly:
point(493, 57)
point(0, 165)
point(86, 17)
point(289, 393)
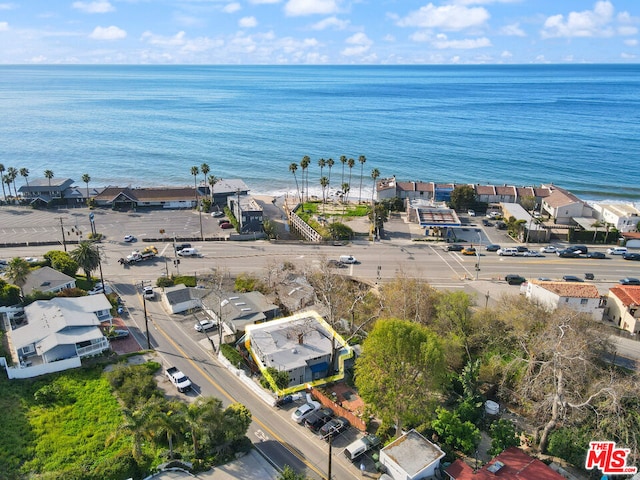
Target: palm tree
point(2, 170)
point(293, 168)
point(351, 162)
point(304, 164)
point(362, 159)
point(86, 179)
point(136, 424)
point(204, 168)
point(596, 225)
point(87, 256)
point(330, 163)
point(324, 183)
point(6, 179)
point(322, 163)
point(195, 171)
point(49, 175)
point(343, 161)
point(24, 172)
point(345, 191)
point(607, 227)
point(375, 173)
point(212, 182)
point(12, 173)
point(170, 422)
point(18, 271)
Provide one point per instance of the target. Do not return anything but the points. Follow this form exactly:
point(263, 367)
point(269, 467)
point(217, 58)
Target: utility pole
point(146, 319)
point(64, 240)
point(329, 469)
point(100, 267)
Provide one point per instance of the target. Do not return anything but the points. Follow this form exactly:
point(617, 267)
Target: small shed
point(411, 457)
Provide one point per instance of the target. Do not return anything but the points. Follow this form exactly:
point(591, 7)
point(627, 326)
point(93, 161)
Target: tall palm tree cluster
point(210, 180)
point(9, 179)
point(325, 181)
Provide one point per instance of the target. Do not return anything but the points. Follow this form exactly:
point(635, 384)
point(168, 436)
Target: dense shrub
point(231, 354)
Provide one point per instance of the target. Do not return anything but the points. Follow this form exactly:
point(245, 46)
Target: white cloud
point(7, 6)
point(513, 30)
point(389, 38)
point(248, 22)
point(329, 22)
point(506, 54)
point(483, 2)
point(231, 7)
point(627, 56)
point(296, 8)
point(259, 2)
point(108, 33)
point(589, 23)
point(443, 42)
point(421, 36)
point(627, 30)
point(359, 45)
point(447, 17)
point(101, 6)
point(631, 42)
point(153, 39)
point(4, 26)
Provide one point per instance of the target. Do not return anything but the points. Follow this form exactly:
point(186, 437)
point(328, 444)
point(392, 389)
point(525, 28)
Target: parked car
point(631, 256)
point(629, 281)
point(566, 253)
point(468, 251)
point(532, 253)
point(129, 238)
point(548, 249)
point(514, 279)
point(454, 247)
point(226, 225)
point(486, 223)
point(203, 325)
point(471, 213)
point(501, 225)
point(304, 411)
point(318, 418)
point(571, 278)
point(598, 255)
point(217, 214)
point(333, 427)
point(182, 246)
point(223, 220)
point(117, 334)
point(492, 247)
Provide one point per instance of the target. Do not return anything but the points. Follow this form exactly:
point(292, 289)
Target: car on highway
point(468, 251)
point(532, 253)
point(617, 250)
point(522, 249)
point(548, 249)
point(582, 249)
point(129, 238)
point(182, 246)
point(203, 325)
point(304, 411)
point(454, 247)
point(507, 252)
point(514, 279)
point(598, 255)
point(333, 427)
point(492, 247)
point(566, 253)
point(148, 293)
point(629, 281)
point(632, 256)
point(571, 278)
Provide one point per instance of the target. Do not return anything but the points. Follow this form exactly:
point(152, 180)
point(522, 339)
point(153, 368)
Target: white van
point(510, 251)
point(617, 250)
point(348, 259)
point(188, 252)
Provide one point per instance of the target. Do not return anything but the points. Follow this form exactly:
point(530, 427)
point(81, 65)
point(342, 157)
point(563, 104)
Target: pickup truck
point(179, 379)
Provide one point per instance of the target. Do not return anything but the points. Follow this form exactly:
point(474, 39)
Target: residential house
point(622, 216)
point(247, 212)
point(563, 206)
point(432, 217)
point(47, 280)
point(512, 464)
point(631, 239)
point(623, 307)
point(578, 296)
point(411, 457)
point(226, 188)
point(43, 191)
point(238, 310)
point(61, 328)
point(303, 345)
point(180, 298)
point(532, 231)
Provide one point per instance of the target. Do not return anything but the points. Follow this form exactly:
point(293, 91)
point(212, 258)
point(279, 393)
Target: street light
point(146, 319)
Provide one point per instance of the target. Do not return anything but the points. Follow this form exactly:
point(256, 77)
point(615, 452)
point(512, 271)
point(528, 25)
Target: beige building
point(578, 296)
point(623, 307)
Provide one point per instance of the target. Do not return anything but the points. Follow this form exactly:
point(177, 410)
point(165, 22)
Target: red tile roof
point(628, 294)
point(517, 466)
point(570, 289)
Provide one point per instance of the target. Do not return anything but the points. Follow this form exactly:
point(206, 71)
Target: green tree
point(205, 169)
point(6, 179)
point(9, 294)
point(453, 312)
point(504, 434)
point(18, 271)
point(137, 424)
point(343, 161)
point(345, 192)
point(304, 165)
point(463, 197)
point(330, 163)
point(169, 421)
point(195, 171)
point(212, 179)
point(293, 168)
point(2, 170)
point(86, 179)
point(350, 163)
point(401, 369)
point(362, 159)
point(289, 474)
point(87, 256)
point(340, 231)
point(324, 183)
point(455, 433)
point(596, 225)
point(322, 163)
point(12, 174)
point(48, 174)
point(24, 172)
point(528, 202)
point(237, 419)
point(62, 262)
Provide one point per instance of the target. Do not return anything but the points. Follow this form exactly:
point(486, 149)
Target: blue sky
point(319, 31)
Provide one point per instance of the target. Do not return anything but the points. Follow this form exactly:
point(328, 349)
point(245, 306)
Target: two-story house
point(623, 307)
point(47, 280)
point(623, 216)
point(578, 296)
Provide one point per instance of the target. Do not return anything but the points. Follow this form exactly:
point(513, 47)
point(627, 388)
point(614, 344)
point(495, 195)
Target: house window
point(583, 301)
point(566, 300)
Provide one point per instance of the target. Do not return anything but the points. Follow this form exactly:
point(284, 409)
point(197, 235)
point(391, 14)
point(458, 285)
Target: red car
point(226, 225)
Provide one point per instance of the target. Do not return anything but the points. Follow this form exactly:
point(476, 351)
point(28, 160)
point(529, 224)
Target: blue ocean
point(577, 126)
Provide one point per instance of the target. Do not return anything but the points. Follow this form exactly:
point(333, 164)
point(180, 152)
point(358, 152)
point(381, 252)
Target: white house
point(411, 457)
point(564, 206)
point(180, 298)
point(623, 216)
point(46, 280)
point(623, 307)
point(578, 296)
point(59, 329)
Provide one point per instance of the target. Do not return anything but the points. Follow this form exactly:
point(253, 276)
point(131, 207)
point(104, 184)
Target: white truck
point(364, 444)
point(179, 379)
